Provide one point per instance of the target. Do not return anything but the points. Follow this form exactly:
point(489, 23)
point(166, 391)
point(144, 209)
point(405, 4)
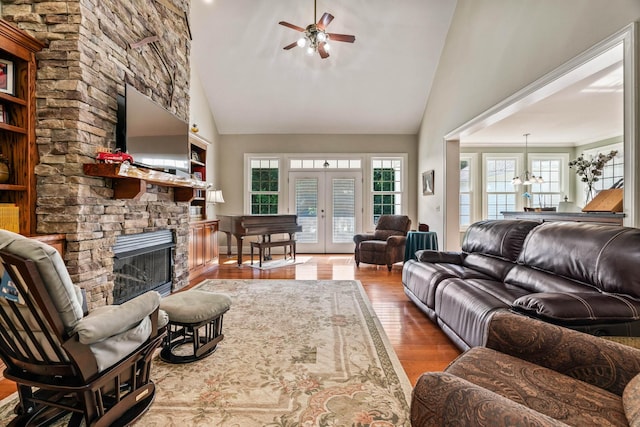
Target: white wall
point(200, 114)
point(233, 148)
point(493, 49)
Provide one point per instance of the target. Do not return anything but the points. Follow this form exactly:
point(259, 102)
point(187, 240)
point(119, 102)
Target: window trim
point(247, 185)
point(565, 187)
point(519, 157)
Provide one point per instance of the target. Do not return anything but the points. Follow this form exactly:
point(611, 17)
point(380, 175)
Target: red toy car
point(117, 157)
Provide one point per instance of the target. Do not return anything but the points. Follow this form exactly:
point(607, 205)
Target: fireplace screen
point(143, 262)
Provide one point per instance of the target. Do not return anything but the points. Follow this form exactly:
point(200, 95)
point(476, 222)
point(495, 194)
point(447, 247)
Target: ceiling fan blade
point(321, 50)
point(324, 21)
point(293, 27)
point(341, 37)
point(290, 46)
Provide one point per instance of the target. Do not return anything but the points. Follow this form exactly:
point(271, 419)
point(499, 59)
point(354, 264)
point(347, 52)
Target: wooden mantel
point(130, 182)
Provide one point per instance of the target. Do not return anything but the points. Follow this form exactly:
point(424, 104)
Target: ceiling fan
point(316, 38)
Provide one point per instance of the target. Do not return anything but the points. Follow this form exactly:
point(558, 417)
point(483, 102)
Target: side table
point(418, 240)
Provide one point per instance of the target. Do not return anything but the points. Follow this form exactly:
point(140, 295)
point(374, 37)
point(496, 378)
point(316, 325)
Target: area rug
point(277, 263)
point(296, 353)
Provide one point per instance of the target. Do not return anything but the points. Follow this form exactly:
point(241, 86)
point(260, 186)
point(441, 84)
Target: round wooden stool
point(194, 317)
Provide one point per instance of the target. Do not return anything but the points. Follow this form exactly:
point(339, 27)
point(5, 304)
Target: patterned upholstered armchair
point(385, 246)
point(536, 374)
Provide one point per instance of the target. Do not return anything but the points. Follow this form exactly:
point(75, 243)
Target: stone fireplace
point(91, 52)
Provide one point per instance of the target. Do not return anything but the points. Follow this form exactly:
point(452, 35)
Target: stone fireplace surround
point(87, 60)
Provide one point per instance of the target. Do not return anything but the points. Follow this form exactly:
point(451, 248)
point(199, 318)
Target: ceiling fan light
point(326, 47)
point(310, 50)
point(321, 36)
point(302, 42)
point(516, 181)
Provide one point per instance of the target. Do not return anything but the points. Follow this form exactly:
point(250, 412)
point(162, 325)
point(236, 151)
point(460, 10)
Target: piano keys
point(256, 225)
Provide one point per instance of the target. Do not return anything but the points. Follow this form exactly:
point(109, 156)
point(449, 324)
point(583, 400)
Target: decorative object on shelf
point(4, 169)
point(527, 180)
point(316, 38)
point(215, 196)
point(590, 170)
point(194, 128)
point(117, 157)
point(427, 182)
point(6, 77)
point(195, 156)
point(197, 175)
point(3, 114)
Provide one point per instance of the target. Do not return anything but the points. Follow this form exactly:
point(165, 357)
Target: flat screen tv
point(155, 137)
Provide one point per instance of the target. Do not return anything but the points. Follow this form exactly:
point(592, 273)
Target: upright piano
point(256, 225)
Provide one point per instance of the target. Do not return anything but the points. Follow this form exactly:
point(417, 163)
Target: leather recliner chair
point(385, 246)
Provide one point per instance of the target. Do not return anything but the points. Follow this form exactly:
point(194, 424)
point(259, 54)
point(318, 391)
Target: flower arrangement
point(590, 170)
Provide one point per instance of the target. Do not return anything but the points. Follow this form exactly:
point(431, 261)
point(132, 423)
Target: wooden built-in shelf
point(13, 99)
point(13, 187)
point(11, 128)
point(130, 182)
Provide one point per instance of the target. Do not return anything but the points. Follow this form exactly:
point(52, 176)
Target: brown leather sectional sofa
point(579, 275)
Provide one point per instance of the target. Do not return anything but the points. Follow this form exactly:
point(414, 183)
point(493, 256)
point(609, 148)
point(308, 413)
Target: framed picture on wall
point(6, 77)
point(427, 183)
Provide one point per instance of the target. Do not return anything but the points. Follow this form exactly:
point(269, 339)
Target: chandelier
point(528, 180)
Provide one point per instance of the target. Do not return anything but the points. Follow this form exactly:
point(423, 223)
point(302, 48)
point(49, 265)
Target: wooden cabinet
point(203, 246)
point(17, 122)
point(198, 147)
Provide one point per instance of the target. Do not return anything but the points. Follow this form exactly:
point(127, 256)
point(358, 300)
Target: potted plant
point(590, 170)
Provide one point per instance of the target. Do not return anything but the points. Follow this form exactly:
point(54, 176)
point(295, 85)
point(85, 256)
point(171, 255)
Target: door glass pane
point(307, 209)
point(344, 210)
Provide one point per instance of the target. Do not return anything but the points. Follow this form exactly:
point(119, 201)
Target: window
point(466, 195)
point(387, 187)
point(613, 170)
point(500, 193)
point(553, 170)
point(264, 186)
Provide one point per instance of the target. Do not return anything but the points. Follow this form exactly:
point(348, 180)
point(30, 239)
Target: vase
point(589, 194)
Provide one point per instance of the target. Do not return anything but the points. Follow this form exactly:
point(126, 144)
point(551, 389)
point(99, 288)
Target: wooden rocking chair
point(92, 369)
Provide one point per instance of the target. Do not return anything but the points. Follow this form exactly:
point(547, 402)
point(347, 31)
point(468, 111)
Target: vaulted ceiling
point(377, 85)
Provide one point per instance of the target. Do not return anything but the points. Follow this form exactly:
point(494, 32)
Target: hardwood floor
point(419, 344)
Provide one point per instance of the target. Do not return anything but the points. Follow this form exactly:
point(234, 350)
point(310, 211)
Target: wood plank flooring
point(419, 344)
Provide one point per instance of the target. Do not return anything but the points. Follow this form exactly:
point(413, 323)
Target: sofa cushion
point(534, 280)
point(501, 238)
point(556, 395)
point(604, 256)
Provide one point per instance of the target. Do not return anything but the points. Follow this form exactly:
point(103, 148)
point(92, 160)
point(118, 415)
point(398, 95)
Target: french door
point(329, 209)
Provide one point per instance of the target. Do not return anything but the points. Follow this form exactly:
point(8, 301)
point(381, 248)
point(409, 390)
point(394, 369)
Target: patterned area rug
point(277, 263)
point(296, 353)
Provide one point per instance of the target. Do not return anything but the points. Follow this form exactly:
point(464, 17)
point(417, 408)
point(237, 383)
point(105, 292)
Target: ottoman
point(194, 317)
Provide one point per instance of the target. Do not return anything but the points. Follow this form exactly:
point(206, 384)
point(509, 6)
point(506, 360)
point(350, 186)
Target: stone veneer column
point(86, 63)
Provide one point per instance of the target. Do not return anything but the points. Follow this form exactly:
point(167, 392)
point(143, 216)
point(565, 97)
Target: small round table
point(419, 240)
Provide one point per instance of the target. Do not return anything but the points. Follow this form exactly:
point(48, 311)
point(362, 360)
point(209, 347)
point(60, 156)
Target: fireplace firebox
point(143, 262)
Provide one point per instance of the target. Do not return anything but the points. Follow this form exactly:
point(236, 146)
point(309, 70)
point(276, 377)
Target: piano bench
point(261, 246)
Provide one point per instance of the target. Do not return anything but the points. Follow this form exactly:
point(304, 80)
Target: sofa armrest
point(432, 256)
point(579, 308)
point(396, 241)
point(357, 238)
point(602, 363)
point(110, 320)
point(440, 398)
